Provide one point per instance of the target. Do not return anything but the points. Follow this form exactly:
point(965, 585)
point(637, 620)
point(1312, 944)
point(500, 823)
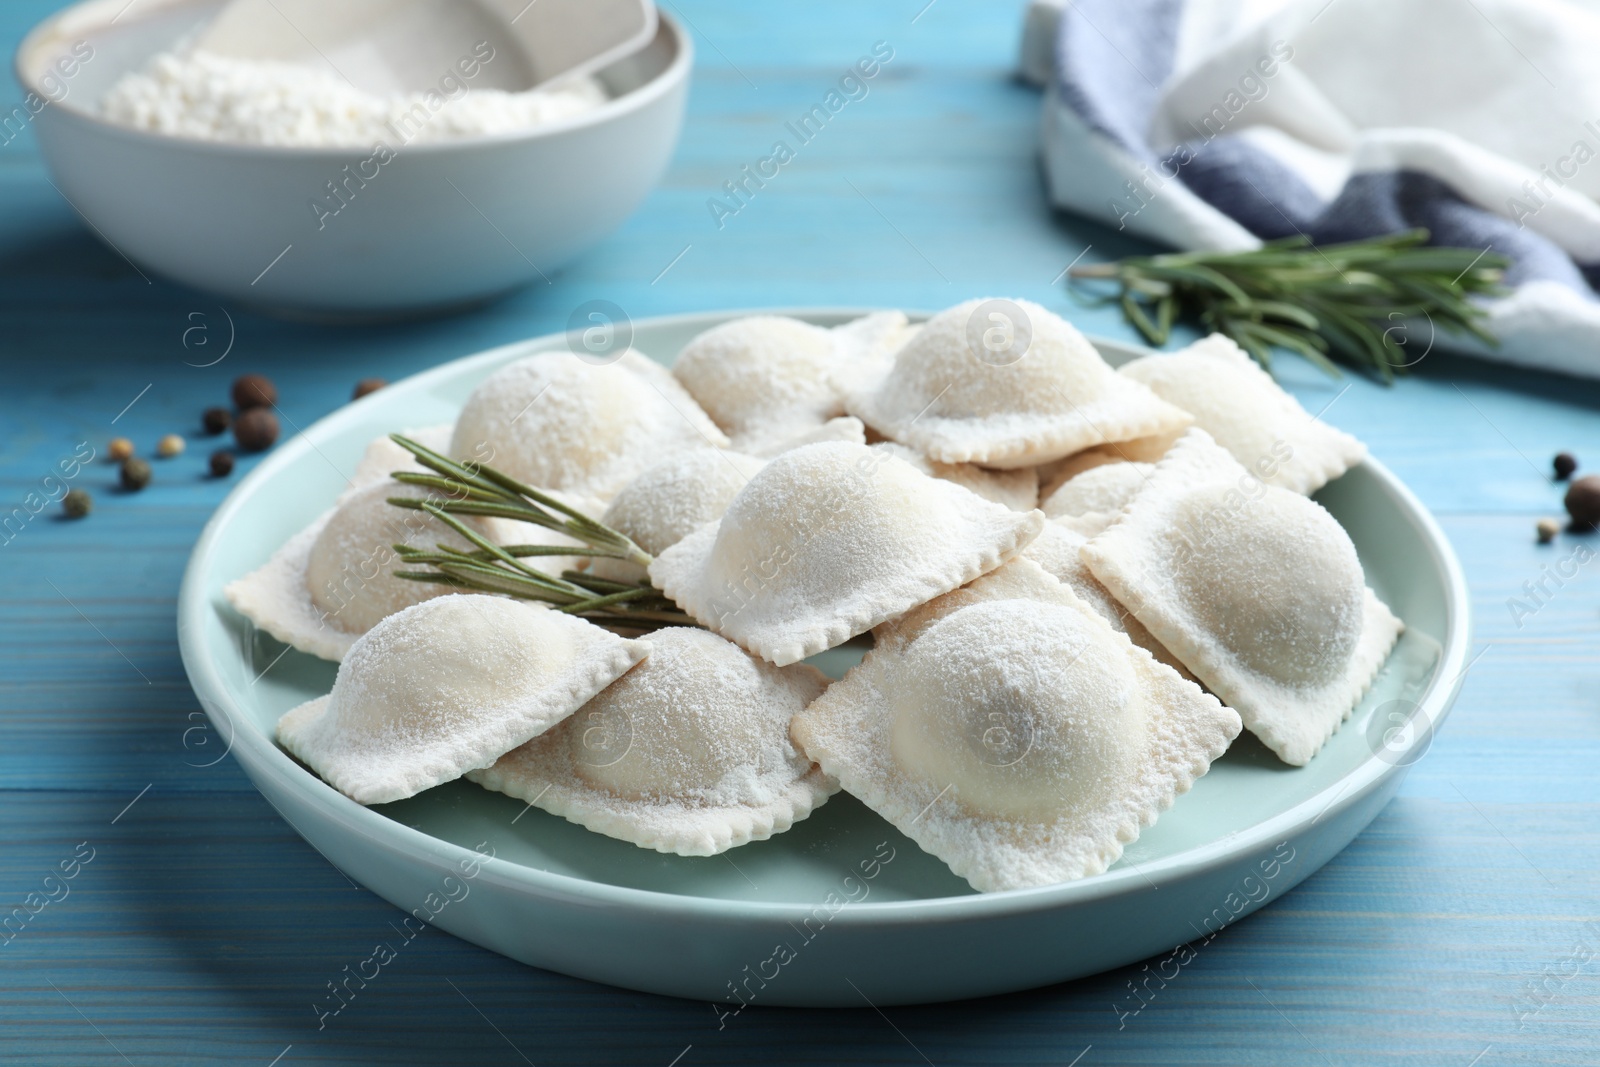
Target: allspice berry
point(367, 385)
point(255, 429)
point(1583, 502)
point(1565, 463)
point(216, 420)
point(221, 463)
point(119, 449)
point(135, 474)
point(1547, 530)
point(254, 391)
point(77, 503)
point(169, 446)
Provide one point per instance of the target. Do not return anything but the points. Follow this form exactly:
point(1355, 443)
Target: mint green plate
point(843, 907)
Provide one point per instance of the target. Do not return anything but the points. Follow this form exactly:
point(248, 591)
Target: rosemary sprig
point(1346, 301)
point(491, 568)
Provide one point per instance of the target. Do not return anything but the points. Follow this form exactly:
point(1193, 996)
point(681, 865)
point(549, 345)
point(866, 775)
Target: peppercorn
point(221, 463)
point(216, 420)
point(1565, 463)
point(1548, 528)
point(77, 503)
point(255, 429)
point(367, 385)
point(169, 446)
point(254, 391)
point(135, 474)
point(119, 449)
point(1583, 502)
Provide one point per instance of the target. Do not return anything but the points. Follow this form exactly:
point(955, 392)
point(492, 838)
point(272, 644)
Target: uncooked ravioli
point(1008, 730)
point(689, 752)
point(554, 421)
point(1256, 589)
point(1249, 414)
point(448, 686)
point(957, 402)
point(1017, 490)
point(829, 540)
point(333, 581)
point(1104, 488)
point(669, 501)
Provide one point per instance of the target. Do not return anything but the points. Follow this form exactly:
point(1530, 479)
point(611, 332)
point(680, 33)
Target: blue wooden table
point(1462, 928)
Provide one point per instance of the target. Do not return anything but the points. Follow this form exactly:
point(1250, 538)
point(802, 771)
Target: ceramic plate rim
point(260, 754)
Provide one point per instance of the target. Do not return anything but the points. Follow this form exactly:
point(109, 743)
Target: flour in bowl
point(220, 98)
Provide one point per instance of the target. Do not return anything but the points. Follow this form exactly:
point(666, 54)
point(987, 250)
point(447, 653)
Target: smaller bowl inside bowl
point(401, 227)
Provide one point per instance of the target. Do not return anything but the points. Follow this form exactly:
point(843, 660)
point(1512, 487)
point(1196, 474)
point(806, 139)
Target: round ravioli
point(1235, 401)
point(1008, 730)
point(1006, 384)
point(448, 686)
point(689, 752)
point(1256, 589)
point(829, 540)
point(554, 421)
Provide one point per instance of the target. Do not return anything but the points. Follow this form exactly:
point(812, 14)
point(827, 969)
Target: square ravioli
point(1235, 401)
point(1006, 384)
point(689, 752)
point(1255, 588)
point(1010, 731)
point(448, 686)
point(829, 540)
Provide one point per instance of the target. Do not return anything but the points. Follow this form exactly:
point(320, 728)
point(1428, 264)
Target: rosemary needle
point(506, 569)
point(1355, 302)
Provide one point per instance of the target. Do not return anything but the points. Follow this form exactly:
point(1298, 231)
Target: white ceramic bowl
point(444, 222)
point(864, 912)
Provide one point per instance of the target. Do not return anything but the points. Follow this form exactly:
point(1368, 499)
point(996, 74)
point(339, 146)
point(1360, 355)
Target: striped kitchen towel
point(1217, 124)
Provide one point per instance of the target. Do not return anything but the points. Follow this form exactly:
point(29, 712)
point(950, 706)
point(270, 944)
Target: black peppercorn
point(216, 420)
point(367, 385)
point(1565, 463)
point(135, 474)
point(1583, 502)
point(221, 463)
point(254, 391)
point(77, 503)
point(255, 429)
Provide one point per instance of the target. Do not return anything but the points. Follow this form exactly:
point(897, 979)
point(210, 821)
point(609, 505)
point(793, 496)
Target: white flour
point(262, 102)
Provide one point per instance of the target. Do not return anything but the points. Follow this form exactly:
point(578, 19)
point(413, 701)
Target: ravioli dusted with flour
point(333, 581)
point(768, 380)
point(1008, 730)
point(554, 421)
point(448, 686)
point(689, 752)
point(1249, 414)
point(672, 500)
point(1017, 490)
point(1105, 489)
point(829, 540)
point(1256, 589)
point(1059, 551)
point(957, 401)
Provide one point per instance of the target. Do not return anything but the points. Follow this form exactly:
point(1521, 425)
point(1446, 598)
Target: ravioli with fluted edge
point(1010, 731)
point(689, 752)
point(829, 540)
point(1256, 589)
point(956, 402)
point(1249, 414)
point(554, 421)
point(448, 686)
